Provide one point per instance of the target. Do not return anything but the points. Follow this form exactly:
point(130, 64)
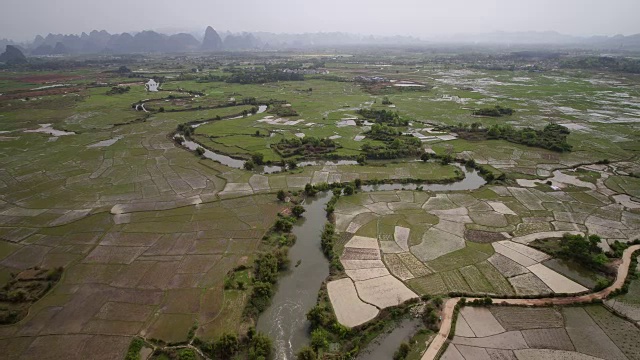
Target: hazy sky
point(23, 19)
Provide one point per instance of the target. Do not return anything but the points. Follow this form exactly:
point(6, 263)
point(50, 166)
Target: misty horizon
point(427, 20)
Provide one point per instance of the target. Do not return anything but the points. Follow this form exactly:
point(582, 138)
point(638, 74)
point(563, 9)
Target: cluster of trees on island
point(496, 111)
point(304, 147)
point(390, 118)
point(551, 137)
point(396, 145)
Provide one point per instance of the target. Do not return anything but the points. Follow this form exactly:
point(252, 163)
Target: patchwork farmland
point(157, 223)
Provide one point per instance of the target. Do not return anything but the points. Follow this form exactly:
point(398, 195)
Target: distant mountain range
point(101, 42)
point(617, 42)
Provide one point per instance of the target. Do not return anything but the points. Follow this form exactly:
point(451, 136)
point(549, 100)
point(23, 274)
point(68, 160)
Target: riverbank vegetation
point(23, 289)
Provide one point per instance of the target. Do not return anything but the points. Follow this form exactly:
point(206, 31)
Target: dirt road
point(449, 305)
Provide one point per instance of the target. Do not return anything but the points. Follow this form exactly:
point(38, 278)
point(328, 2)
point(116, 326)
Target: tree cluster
point(390, 118)
point(305, 146)
point(117, 90)
point(552, 137)
point(496, 111)
point(396, 145)
point(256, 346)
point(583, 250)
point(261, 76)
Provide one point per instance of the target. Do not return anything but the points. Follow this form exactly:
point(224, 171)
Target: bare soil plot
point(362, 242)
point(159, 276)
point(472, 352)
point(587, 337)
point(390, 247)
point(555, 281)
point(361, 264)
point(521, 318)
point(130, 239)
point(630, 310)
point(259, 182)
point(379, 208)
point(623, 333)
point(481, 236)
point(349, 309)
point(481, 321)
point(101, 347)
point(414, 265)
point(548, 354)
point(384, 291)
point(498, 354)
point(457, 215)
point(439, 202)
point(397, 267)
point(436, 243)
point(501, 208)
point(529, 284)
point(365, 274)
point(489, 218)
point(556, 339)
point(26, 257)
point(401, 236)
point(529, 252)
point(124, 311)
point(511, 340)
point(528, 199)
point(452, 227)
point(513, 255)
point(112, 327)
point(452, 353)
point(463, 329)
point(353, 253)
point(506, 266)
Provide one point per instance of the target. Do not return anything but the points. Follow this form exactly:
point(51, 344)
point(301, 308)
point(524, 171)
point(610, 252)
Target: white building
point(152, 85)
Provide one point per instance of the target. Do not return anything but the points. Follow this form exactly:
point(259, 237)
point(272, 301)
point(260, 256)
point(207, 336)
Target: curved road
point(449, 305)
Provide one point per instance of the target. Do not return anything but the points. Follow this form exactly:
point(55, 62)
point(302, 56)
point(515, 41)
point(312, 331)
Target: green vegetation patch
point(23, 289)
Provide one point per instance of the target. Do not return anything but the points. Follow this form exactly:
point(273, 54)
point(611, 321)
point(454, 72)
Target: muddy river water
point(296, 293)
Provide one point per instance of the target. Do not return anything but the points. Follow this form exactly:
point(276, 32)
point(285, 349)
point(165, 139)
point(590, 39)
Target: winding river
point(297, 291)
point(471, 181)
point(285, 320)
point(239, 163)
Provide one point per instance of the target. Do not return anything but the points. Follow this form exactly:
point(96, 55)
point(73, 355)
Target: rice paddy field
point(590, 332)
point(146, 230)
